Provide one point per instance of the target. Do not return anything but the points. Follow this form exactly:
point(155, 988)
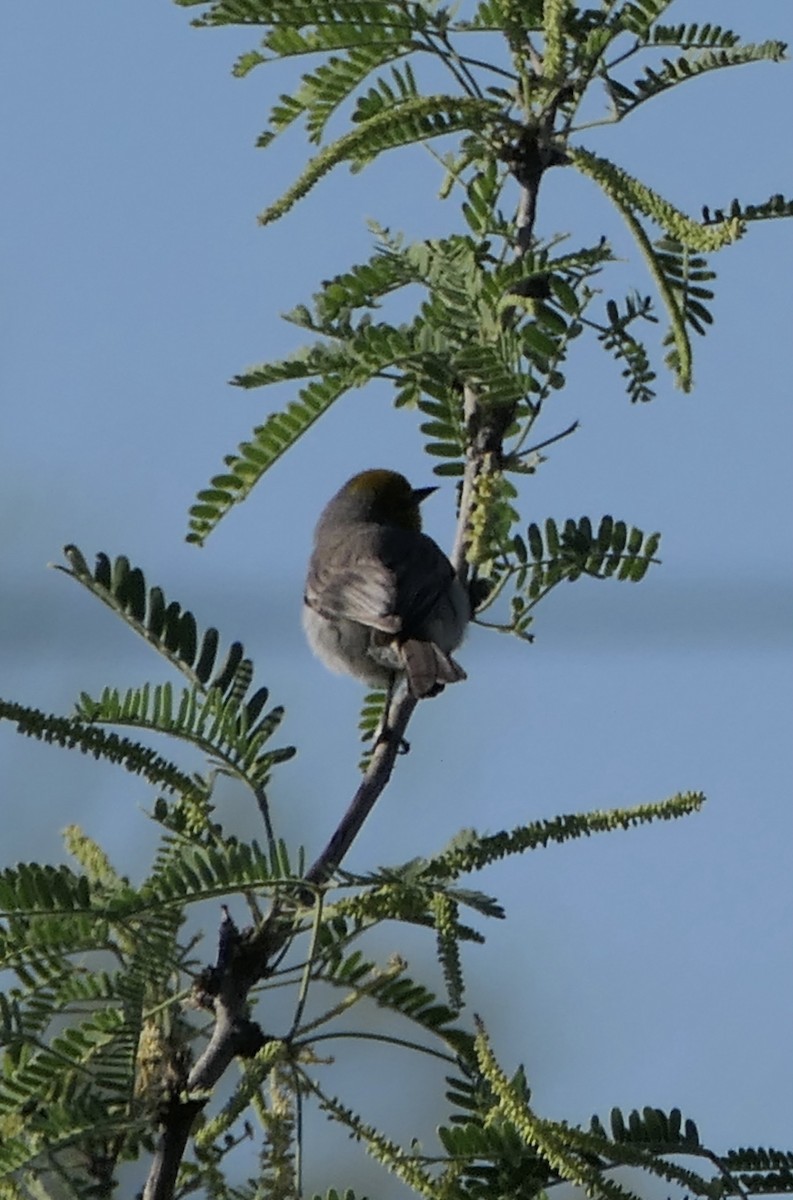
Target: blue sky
point(651, 967)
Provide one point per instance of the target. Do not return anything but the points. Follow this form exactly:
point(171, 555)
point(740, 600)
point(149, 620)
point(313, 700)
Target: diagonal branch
point(161, 1183)
point(372, 785)
point(244, 959)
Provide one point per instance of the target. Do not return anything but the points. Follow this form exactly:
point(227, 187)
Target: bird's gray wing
point(423, 576)
point(348, 577)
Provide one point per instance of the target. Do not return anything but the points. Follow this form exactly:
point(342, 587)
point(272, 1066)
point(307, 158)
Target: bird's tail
point(428, 668)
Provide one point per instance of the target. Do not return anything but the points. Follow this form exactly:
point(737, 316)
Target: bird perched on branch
point(382, 600)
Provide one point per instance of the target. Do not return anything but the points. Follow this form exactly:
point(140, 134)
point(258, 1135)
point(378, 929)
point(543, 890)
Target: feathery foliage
point(502, 309)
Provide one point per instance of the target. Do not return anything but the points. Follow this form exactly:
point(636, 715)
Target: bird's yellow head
point(384, 497)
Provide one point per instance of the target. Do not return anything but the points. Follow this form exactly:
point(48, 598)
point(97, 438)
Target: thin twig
point(361, 1035)
point(264, 810)
point(557, 437)
point(308, 968)
point(486, 66)
point(374, 781)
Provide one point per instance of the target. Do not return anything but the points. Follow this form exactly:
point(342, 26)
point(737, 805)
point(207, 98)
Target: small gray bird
point(382, 600)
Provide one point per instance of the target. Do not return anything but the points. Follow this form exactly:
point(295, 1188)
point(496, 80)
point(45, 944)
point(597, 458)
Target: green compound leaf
point(84, 735)
point(166, 626)
point(694, 63)
point(777, 206)
point(403, 123)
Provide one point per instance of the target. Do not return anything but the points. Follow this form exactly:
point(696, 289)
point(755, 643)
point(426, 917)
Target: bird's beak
point(420, 494)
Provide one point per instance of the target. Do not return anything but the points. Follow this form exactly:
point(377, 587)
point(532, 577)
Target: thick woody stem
point(473, 465)
point(485, 438)
point(161, 1183)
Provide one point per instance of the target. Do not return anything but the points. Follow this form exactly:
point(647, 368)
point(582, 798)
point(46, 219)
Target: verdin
point(382, 600)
